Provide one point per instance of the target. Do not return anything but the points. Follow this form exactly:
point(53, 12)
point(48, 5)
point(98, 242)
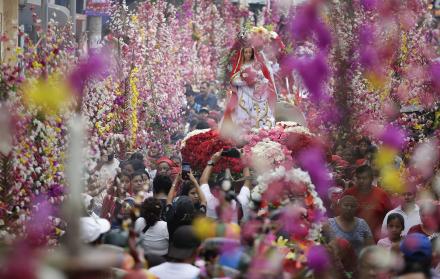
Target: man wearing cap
point(181, 253)
point(91, 229)
point(417, 253)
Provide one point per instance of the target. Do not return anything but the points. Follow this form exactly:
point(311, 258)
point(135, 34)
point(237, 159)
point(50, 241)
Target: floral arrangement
point(292, 196)
point(267, 154)
point(198, 148)
point(293, 137)
point(282, 186)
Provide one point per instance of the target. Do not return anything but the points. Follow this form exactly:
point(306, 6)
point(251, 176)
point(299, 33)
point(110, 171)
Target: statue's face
point(247, 52)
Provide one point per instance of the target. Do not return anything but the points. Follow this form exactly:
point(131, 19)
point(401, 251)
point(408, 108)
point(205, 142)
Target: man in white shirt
point(182, 253)
point(212, 202)
point(408, 209)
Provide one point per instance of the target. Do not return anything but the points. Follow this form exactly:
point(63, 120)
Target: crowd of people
point(155, 202)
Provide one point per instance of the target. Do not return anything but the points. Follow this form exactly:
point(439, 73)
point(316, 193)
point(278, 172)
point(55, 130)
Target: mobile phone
point(186, 169)
point(233, 153)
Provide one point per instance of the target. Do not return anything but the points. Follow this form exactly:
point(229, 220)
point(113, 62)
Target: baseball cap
point(184, 243)
point(91, 228)
point(416, 247)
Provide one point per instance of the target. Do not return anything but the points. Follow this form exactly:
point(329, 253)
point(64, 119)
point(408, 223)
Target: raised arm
point(199, 191)
point(172, 193)
point(247, 177)
point(208, 169)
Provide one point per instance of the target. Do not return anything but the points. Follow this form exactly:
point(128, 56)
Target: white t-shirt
point(155, 239)
point(212, 202)
point(175, 270)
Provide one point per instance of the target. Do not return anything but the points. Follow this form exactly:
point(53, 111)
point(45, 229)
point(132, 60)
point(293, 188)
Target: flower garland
point(133, 105)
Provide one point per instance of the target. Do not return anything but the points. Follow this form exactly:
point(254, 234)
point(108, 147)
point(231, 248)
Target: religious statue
point(253, 98)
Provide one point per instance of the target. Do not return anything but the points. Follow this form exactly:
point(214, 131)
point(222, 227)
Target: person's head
point(126, 167)
point(164, 166)
point(190, 99)
point(374, 262)
point(184, 245)
point(121, 184)
point(395, 226)
point(137, 181)
point(364, 176)
point(417, 253)
point(204, 88)
point(184, 211)
point(339, 150)
point(91, 229)
point(151, 211)
point(108, 153)
point(161, 184)
point(137, 156)
point(409, 198)
point(177, 159)
point(201, 125)
point(248, 54)
point(363, 146)
point(203, 113)
point(348, 206)
point(428, 215)
point(190, 190)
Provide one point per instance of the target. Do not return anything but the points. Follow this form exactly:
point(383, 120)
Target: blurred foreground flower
point(318, 259)
point(49, 95)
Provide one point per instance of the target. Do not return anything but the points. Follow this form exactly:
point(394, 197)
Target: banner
point(97, 7)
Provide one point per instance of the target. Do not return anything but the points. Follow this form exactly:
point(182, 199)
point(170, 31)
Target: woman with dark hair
point(183, 209)
point(347, 226)
point(153, 233)
point(115, 195)
point(192, 190)
point(395, 227)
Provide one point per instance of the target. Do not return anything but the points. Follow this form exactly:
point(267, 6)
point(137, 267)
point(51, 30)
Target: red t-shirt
point(417, 229)
point(373, 207)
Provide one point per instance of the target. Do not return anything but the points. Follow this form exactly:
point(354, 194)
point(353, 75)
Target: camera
point(186, 169)
point(232, 152)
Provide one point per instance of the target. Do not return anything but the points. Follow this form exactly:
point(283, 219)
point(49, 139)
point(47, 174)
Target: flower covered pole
point(75, 181)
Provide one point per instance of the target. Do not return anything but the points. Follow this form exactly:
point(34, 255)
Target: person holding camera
point(189, 204)
point(239, 203)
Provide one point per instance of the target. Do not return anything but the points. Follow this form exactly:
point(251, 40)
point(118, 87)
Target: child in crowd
point(395, 227)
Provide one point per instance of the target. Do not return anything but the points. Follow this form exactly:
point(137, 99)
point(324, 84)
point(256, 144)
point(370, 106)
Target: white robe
point(253, 110)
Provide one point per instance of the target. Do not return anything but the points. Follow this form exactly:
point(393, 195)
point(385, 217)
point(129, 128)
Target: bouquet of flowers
point(198, 147)
point(283, 187)
point(249, 75)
